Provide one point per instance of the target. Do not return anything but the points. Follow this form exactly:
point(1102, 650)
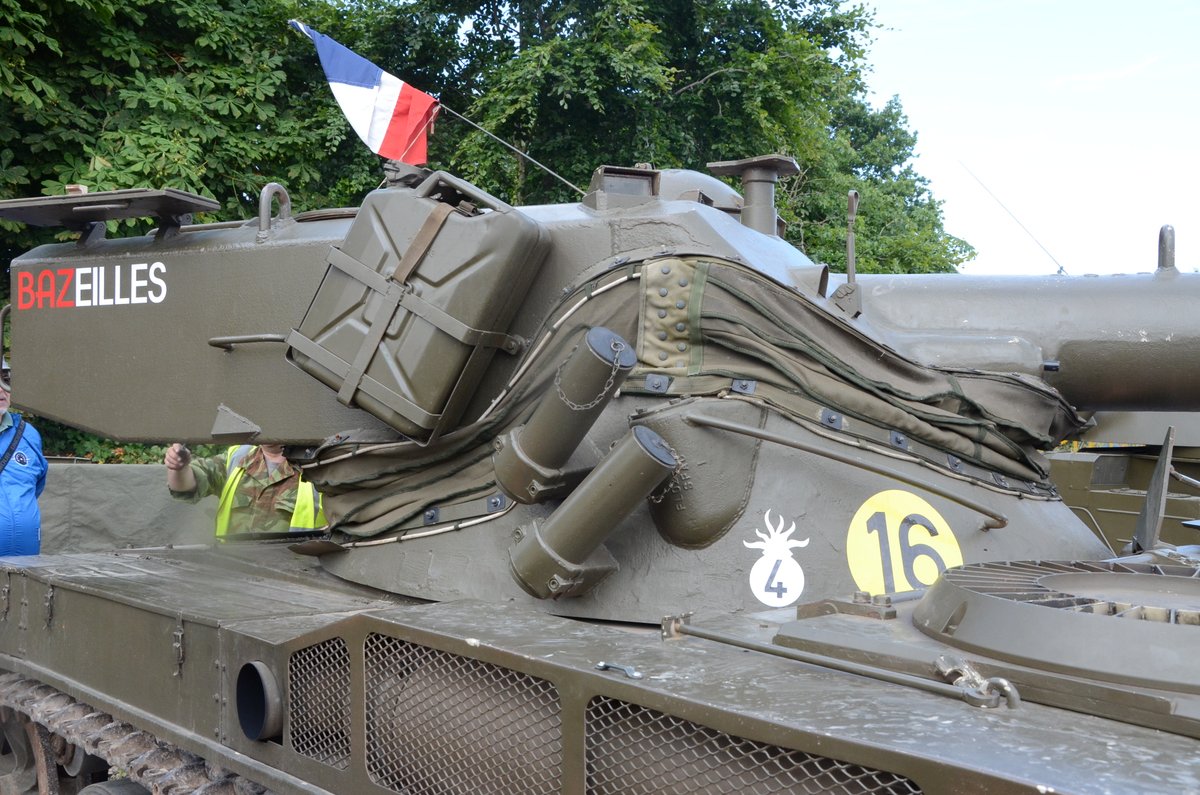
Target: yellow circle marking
point(898, 542)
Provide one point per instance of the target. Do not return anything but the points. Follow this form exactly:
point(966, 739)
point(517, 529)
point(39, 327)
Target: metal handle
point(269, 192)
point(475, 194)
point(851, 215)
point(244, 339)
point(628, 670)
point(1166, 248)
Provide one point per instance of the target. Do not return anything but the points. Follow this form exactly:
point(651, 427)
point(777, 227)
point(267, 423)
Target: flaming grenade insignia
point(776, 579)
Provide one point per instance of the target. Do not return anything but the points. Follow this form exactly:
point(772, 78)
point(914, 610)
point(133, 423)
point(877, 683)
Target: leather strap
point(420, 245)
point(16, 440)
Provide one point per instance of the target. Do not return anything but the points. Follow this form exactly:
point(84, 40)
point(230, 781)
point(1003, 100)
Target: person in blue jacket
point(22, 478)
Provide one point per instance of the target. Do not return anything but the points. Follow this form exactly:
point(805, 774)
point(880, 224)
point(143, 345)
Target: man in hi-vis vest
point(259, 491)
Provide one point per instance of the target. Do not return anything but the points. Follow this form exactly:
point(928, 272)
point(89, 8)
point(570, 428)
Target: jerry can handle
point(477, 195)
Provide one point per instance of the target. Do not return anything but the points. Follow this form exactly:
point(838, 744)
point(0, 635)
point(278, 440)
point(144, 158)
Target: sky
point(1063, 126)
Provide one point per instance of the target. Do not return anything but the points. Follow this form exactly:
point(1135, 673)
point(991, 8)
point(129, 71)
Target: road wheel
point(116, 786)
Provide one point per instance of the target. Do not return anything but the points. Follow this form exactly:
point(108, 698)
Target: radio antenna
point(503, 142)
point(1061, 270)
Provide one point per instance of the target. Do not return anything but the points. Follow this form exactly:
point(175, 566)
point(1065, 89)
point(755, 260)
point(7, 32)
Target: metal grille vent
point(632, 749)
point(1142, 591)
point(442, 723)
point(319, 719)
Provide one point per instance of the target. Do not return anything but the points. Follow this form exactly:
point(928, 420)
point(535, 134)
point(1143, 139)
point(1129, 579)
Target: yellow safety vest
point(309, 513)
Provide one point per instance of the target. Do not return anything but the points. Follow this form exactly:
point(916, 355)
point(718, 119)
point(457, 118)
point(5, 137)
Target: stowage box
point(417, 299)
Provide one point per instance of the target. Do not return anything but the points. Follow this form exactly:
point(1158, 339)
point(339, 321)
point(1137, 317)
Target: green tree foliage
point(217, 98)
point(577, 83)
point(899, 227)
point(221, 97)
point(63, 441)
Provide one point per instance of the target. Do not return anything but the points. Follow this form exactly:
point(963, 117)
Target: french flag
point(389, 115)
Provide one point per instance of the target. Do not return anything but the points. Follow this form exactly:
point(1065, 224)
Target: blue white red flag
point(389, 115)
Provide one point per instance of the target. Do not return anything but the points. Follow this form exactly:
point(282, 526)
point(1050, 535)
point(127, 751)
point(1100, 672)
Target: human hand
point(177, 457)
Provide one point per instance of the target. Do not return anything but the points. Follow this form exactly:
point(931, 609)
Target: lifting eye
point(259, 706)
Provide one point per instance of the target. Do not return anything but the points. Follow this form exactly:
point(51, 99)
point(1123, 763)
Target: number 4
point(771, 586)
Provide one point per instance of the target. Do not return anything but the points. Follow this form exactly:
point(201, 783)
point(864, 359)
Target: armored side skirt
point(204, 648)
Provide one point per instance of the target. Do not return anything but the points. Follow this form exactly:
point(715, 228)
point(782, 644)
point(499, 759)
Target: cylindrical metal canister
point(558, 558)
point(530, 456)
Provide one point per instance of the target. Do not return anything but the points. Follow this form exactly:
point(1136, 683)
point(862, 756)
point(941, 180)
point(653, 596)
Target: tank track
point(156, 765)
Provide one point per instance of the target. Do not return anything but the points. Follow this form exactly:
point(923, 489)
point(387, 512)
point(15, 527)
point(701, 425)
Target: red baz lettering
point(45, 291)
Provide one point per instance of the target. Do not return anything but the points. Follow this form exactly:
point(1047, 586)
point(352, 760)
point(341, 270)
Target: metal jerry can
point(416, 301)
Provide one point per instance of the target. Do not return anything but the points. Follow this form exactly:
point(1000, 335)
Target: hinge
point(49, 603)
point(177, 644)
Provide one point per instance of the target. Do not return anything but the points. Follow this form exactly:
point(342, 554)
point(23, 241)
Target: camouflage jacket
point(265, 496)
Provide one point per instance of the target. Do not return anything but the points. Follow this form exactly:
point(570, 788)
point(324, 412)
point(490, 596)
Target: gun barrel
point(1121, 342)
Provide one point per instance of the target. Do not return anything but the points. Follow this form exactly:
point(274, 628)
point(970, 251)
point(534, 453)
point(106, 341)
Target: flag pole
point(501, 141)
point(424, 130)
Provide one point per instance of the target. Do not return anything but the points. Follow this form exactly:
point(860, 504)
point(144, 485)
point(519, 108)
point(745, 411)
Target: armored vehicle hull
point(623, 496)
point(361, 694)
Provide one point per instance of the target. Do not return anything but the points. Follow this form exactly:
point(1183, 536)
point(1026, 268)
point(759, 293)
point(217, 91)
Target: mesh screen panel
point(632, 749)
point(441, 723)
point(319, 720)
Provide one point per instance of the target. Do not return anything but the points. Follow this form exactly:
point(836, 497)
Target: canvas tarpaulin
point(734, 324)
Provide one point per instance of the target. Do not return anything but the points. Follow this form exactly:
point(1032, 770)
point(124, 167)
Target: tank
point(626, 495)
